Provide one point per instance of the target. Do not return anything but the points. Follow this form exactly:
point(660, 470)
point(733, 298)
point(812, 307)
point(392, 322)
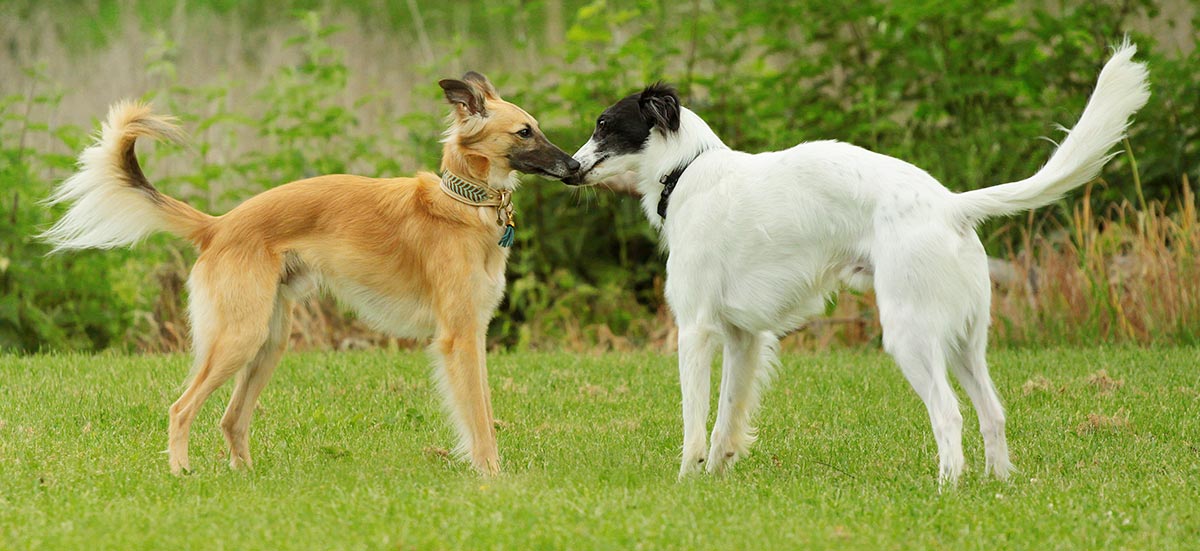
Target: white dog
point(758, 243)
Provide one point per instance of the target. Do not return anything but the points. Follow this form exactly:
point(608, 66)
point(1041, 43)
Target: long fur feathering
point(111, 202)
point(1121, 90)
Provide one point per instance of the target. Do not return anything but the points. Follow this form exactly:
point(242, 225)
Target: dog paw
point(1001, 469)
point(180, 468)
point(487, 466)
point(240, 463)
point(948, 475)
point(691, 465)
point(721, 460)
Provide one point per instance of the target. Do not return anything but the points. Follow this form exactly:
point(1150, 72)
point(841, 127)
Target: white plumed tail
point(112, 204)
point(1121, 90)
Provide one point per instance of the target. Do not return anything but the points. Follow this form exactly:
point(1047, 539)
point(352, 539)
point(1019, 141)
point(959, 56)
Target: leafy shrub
point(63, 302)
point(961, 89)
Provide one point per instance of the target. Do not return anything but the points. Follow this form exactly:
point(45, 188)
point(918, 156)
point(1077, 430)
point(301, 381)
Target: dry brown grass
point(1097, 423)
point(1128, 274)
point(1104, 382)
point(1037, 383)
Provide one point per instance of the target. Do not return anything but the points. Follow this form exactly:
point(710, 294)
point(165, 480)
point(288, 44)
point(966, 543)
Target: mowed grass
point(349, 454)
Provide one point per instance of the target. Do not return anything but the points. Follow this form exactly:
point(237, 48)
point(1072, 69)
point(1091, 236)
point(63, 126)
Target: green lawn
point(348, 453)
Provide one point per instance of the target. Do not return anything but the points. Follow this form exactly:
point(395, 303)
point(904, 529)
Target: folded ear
point(659, 104)
point(483, 84)
point(465, 96)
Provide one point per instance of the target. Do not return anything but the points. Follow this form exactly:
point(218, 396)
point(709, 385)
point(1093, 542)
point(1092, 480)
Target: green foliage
point(962, 90)
point(350, 453)
point(67, 302)
point(302, 116)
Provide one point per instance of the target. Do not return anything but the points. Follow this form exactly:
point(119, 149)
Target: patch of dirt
point(593, 390)
point(510, 386)
point(434, 452)
point(1037, 384)
point(1097, 422)
point(1105, 383)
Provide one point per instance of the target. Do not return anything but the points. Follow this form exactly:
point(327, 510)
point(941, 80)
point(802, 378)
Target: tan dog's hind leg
point(235, 424)
point(462, 368)
point(231, 312)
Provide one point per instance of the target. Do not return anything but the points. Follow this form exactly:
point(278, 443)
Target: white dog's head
point(618, 143)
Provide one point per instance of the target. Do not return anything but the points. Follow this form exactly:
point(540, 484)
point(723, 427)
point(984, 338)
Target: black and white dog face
point(618, 144)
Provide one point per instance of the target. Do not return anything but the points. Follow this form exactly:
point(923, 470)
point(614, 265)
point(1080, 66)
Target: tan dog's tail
point(112, 204)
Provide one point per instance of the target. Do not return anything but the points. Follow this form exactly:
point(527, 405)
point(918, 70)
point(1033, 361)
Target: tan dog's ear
point(467, 97)
point(483, 83)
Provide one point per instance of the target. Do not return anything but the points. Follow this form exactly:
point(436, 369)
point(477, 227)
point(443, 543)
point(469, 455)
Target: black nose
point(573, 165)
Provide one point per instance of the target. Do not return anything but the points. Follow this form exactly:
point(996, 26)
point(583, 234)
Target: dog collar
point(476, 195)
point(668, 181)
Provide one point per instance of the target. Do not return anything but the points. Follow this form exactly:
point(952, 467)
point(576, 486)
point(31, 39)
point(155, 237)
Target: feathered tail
point(112, 204)
point(1120, 91)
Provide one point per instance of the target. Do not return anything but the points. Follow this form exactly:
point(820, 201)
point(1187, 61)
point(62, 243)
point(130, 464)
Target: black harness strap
point(668, 181)
point(671, 178)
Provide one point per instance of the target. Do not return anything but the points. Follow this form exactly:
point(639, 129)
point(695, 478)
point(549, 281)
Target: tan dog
point(415, 257)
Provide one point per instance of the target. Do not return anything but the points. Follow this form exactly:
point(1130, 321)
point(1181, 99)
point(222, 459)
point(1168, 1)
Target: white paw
point(723, 454)
point(693, 460)
point(721, 459)
point(949, 472)
point(1001, 469)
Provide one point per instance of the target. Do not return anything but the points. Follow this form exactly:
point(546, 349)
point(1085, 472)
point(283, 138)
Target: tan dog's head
point(490, 139)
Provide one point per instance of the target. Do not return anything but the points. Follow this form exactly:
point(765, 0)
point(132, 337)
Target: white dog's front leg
point(696, 350)
point(744, 360)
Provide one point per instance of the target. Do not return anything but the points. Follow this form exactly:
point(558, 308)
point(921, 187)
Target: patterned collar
point(470, 193)
point(476, 195)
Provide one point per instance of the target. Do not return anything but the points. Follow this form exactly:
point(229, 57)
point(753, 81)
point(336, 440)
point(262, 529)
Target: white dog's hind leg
point(923, 362)
point(743, 372)
point(696, 349)
point(970, 366)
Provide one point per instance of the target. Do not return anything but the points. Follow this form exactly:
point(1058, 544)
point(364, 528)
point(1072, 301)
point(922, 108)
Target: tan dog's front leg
point(464, 385)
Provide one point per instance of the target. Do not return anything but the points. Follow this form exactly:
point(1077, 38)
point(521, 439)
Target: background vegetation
point(272, 92)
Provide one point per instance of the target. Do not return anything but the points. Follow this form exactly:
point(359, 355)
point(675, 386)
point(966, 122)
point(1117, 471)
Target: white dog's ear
point(465, 96)
point(659, 104)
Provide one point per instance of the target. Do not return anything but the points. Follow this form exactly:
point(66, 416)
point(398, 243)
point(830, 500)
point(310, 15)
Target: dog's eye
point(601, 122)
point(525, 132)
